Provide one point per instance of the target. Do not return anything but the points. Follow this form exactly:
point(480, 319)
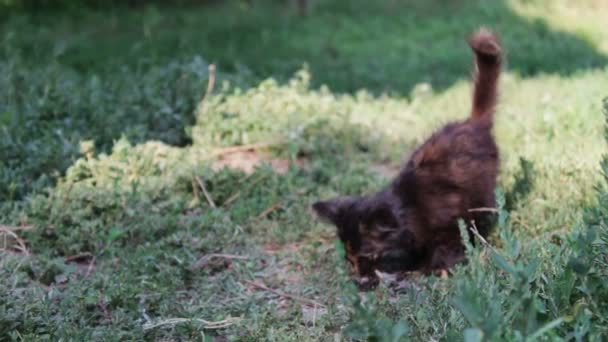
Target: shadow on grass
point(391, 47)
point(348, 45)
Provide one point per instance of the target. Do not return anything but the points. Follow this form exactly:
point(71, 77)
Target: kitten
point(412, 224)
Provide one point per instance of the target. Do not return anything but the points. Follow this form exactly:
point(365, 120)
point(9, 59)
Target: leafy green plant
point(366, 321)
point(562, 296)
point(40, 138)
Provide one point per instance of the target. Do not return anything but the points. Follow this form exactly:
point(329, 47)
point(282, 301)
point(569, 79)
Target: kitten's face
point(366, 230)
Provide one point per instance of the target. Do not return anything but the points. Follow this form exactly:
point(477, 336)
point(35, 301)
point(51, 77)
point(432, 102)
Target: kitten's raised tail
point(488, 59)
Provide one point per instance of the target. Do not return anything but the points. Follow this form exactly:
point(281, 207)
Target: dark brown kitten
point(412, 224)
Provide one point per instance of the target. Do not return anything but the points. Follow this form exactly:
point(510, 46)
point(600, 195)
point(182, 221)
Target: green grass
point(106, 141)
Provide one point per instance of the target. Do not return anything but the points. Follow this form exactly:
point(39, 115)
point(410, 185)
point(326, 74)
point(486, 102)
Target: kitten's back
point(455, 170)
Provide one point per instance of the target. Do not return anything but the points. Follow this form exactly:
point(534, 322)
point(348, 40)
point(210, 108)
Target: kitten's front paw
point(367, 283)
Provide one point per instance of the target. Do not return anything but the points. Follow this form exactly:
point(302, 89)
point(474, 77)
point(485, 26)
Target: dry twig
point(205, 192)
point(475, 232)
point(492, 210)
point(13, 228)
point(206, 324)
point(286, 295)
point(80, 256)
point(269, 210)
point(204, 260)
point(195, 189)
point(241, 148)
point(90, 268)
point(231, 199)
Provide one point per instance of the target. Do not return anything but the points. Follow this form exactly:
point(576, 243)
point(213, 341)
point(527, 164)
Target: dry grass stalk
point(242, 148)
point(19, 244)
point(210, 86)
point(205, 192)
point(14, 229)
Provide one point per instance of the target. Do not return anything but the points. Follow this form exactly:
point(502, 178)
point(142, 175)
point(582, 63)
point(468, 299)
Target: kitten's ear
point(329, 210)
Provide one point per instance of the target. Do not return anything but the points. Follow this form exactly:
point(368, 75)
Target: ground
point(144, 195)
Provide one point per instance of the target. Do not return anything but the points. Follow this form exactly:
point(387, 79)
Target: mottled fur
point(412, 224)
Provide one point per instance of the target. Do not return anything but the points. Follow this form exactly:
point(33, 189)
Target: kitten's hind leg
point(445, 257)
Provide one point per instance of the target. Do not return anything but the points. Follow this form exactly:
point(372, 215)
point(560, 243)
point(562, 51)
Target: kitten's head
point(367, 228)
